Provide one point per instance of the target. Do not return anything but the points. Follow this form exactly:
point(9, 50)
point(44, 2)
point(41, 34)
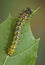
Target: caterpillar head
point(29, 10)
point(25, 14)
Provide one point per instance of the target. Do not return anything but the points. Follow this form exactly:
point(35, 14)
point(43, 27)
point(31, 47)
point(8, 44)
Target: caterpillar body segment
point(22, 20)
point(20, 24)
point(18, 27)
point(17, 33)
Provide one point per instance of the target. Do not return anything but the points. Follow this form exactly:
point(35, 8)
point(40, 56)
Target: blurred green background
point(14, 7)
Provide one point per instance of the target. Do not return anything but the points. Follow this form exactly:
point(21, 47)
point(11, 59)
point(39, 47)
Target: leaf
point(26, 50)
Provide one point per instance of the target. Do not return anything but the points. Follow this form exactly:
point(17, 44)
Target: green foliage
point(26, 50)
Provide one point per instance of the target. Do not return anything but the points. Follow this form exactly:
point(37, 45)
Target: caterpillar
point(19, 24)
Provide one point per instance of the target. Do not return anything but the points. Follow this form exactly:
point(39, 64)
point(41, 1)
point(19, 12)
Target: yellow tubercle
point(17, 32)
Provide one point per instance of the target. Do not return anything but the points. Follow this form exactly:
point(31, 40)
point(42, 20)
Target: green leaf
point(26, 50)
